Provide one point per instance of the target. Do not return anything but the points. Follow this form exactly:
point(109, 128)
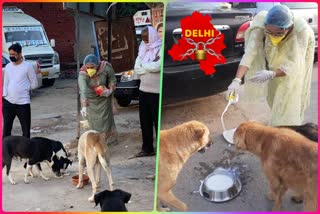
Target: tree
point(129, 9)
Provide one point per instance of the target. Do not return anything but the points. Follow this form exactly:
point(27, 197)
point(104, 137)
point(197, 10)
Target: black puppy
point(309, 130)
point(112, 200)
point(35, 150)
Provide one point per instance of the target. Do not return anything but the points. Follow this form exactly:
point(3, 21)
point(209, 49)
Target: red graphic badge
point(199, 41)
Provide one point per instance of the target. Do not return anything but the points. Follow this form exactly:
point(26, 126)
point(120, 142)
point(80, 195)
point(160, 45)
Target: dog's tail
point(97, 140)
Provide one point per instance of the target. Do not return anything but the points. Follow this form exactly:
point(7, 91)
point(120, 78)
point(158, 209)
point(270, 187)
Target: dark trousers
point(148, 112)
point(9, 113)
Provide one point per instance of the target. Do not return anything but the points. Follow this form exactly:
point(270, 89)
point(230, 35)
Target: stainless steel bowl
point(220, 193)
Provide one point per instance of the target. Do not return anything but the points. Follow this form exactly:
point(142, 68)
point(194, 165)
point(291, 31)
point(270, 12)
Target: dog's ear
point(198, 133)
point(67, 162)
point(239, 137)
point(97, 198)
point(54, 158)
point(56, 145)
point(125, 196)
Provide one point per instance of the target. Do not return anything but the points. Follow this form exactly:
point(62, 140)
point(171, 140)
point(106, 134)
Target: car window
point(4, 62)
point(304, 5)
point(194, 5)
point(26, 36)
point(139, 39)
point(240, 5)
point(138, 35)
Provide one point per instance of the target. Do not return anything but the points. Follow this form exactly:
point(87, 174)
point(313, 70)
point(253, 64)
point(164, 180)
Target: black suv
point(183, 80)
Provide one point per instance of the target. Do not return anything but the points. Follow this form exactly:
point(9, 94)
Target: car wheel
point(48, 82)
point(124, 102)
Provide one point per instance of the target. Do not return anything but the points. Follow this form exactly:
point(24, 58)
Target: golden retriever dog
point(289, 161)
point(176, 146)
point(93, 149)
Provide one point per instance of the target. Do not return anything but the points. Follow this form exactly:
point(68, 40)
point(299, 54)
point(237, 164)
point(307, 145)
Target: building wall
point(87, 40)
point(58, 24)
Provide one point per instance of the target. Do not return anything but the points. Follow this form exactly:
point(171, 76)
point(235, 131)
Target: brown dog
point(289, 160)
point(176, 146)
point(93, 149)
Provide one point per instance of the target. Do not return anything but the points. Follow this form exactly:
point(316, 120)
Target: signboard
point(124, 43)
point(142, 17)
point(11, 9)
point(157, 16)
point(22, 29)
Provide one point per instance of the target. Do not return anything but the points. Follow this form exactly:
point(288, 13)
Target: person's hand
point(156, 59)
point(84, 111)
point(112, 86)
point(262, 76)
point(233, 87)
point(106, 92)
point(139, 70)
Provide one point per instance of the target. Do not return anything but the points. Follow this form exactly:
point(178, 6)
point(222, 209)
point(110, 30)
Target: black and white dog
point(36, 150)
point(309, 130)
point(60, 161)
point(112, 200)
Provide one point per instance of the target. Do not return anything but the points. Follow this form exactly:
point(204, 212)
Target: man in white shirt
point(19, 79)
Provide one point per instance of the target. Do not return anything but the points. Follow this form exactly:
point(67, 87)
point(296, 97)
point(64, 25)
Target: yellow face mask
point(275, 40)
point(91, 71)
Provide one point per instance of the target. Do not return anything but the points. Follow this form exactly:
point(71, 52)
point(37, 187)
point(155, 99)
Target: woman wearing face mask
point(279, 51)
point(97, 83)
point(147, 66)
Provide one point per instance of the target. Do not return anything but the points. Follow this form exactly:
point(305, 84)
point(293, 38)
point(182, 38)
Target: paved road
point(54, 116)
point(208, 110)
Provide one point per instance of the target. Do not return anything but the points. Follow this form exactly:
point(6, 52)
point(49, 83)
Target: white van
point(18, 27)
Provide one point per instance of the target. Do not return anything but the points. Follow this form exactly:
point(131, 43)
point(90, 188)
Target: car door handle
point(222, 27)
